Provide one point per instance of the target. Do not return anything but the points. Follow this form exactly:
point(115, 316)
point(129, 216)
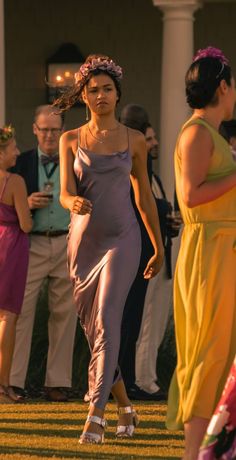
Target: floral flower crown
point(106, 65)
point(212, 52)
point(7, 132)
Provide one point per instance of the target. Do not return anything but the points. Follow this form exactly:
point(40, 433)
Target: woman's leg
point(194, 432)
point(7, 341)
point(103, 327)
point(102, 324)
point(120, 396)
point(92, 427)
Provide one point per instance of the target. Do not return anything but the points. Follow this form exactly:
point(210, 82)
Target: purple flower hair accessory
point(106, 65)
point(212, 52)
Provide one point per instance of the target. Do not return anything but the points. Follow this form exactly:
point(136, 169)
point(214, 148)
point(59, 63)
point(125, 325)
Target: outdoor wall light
point(60, 70)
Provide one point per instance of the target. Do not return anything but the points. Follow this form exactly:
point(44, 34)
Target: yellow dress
point(204, 294)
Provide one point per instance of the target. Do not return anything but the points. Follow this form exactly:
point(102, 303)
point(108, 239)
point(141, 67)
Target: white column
point(177, 52)
point(2, 65)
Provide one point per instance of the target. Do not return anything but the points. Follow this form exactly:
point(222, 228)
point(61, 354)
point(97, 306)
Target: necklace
point(101, 141)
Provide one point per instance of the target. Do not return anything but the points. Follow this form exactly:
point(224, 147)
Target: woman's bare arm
point(68, 195)
point(20, 201)
point(145, 202)
point(196, 148)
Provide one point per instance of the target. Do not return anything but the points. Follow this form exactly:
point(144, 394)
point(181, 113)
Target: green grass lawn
point(49, 430)
point(40, 430)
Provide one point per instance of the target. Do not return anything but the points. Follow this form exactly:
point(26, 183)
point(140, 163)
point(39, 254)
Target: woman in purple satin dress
point(97, 162)
point(15, 223)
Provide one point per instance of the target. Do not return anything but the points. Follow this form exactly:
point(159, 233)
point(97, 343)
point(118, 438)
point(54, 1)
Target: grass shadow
point(79, 454)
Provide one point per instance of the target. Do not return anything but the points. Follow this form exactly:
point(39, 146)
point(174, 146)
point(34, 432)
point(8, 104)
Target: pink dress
point(220, 439)
point(14, 255)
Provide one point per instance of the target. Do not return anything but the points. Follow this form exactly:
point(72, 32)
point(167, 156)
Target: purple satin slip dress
point(103, 255)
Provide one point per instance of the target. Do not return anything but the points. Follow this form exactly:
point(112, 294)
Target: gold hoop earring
point(87, 113)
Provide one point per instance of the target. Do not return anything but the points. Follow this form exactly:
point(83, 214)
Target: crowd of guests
point(149, 302)
point(113, 269)
point(47, 260)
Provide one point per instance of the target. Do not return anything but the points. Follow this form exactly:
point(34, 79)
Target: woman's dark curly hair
point(202, 80)
point(95, 64)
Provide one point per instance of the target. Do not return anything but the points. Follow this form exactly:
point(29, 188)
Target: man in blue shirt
point(48, 260)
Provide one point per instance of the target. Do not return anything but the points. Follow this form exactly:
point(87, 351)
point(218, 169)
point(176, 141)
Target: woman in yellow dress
point(205, 278)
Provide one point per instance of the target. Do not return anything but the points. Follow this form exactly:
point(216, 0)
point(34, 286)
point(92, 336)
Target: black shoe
point(137, 393)
point(55, 394)
point(20, 392)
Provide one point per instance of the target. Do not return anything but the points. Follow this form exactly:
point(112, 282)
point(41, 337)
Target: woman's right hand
point(80, 205)
point(38, 200)
point(154, 265)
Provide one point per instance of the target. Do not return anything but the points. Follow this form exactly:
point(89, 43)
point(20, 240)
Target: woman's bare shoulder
point(70, 135)
point(134, 133)
point(73, 135)
point(136, 138)
point(16, 185)
point(16, 179)
point(195, 134)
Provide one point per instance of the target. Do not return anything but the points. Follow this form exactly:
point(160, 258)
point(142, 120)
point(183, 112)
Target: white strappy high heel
point(93, 438)
point(127, 431)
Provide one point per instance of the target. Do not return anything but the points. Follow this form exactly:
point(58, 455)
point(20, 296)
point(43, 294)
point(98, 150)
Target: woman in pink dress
point(220, 438)
point(15, 223)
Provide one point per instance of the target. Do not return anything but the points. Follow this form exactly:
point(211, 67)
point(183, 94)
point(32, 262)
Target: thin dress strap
point(4, 186)
point(128, 137)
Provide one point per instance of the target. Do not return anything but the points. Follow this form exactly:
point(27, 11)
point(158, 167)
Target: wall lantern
point(61, 67)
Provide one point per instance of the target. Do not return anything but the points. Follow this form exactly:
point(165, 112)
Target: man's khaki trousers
point(47, 260)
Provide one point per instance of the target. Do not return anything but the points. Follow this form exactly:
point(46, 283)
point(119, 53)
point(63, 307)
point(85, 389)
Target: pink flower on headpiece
point(6, 132)
point(210, 51)
point(108, 66)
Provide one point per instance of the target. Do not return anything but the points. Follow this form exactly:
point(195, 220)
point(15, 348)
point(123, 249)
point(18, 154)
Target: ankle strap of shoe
point(125, 410)
point(100, 421)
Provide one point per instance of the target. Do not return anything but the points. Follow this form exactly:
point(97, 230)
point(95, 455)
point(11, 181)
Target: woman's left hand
point(154, 265)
